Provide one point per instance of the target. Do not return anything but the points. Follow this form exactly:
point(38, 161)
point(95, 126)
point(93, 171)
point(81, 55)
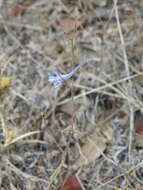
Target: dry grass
point(43, 130)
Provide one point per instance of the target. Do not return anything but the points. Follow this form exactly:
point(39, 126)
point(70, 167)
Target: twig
point(108, 85)
point(128, 74)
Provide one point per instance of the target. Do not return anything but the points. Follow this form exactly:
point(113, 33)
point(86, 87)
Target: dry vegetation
point(90, 127)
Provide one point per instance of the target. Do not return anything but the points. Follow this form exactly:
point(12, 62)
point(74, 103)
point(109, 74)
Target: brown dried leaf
point(139, 140)
point(69, 108)
point(139, 124)
point(72, 183)
point(16, 10)
point(139, 128)
point(19, 9)
point(107, 131)
point(95, 145)
point(93, 148)
point(69, 24)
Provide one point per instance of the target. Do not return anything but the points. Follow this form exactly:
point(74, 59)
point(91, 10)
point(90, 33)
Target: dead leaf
point(17, 10)
point(72, 183)
point(69, 108)
point(91, 150)
point(138, 125)
point(69, 24)
point(139, 140)
point(95, 145)
point(107, 131)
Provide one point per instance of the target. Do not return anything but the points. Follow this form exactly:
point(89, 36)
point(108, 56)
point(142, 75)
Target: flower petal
point(57, 84)
point(51, 79)
point(58, 79)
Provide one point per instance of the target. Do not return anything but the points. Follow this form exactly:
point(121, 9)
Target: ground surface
point(91, 126)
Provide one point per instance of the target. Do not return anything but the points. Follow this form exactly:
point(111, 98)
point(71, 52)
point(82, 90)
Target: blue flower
point(59, 78)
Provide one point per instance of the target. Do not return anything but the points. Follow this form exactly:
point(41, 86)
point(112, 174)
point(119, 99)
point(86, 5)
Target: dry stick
point(111, 94)
point(122, 174)
point(56, 173)
point(72, 96)
point(99, 91)
point(106, 183)
point(72, 87)
point(128, 74)
point(18, 24)
point(18, 172)
point(108, 85)
point(72, 90)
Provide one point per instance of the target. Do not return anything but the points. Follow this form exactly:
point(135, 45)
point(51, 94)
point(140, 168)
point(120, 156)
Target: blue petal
point(57, 84)
point(51, 79)
point(59, 78)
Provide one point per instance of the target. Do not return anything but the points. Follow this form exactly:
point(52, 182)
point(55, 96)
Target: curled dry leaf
point(95, 145)
point(69, 24)
point(72, 183)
